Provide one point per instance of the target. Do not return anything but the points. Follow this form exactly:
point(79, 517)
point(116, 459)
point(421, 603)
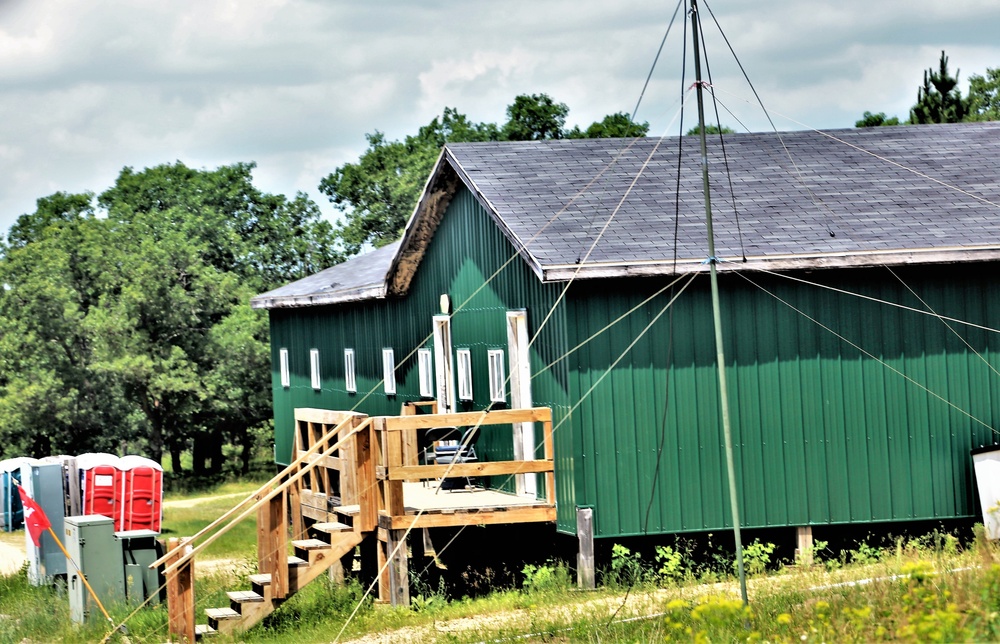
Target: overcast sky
point(90, 87)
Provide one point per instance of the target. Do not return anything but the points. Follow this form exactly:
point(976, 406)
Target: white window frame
point(444, 376)
point(425, 367)
point(286, 379)
point(463, 358)
point(518, 340)
point(350, 378)
point(389, 371)
point(498, 379)
point(314, 375)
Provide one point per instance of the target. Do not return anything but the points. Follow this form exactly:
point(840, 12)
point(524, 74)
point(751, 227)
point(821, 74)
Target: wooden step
point(221, 614)
point(244, 596)
point(310, 544)
point(224, 620)
point(331, 527)
point(296, 561)
point(261, 584)
point(204, 630)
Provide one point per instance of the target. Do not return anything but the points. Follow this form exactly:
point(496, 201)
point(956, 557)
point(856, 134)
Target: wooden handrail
point(269, 495)
point(473, 468)
point(497, 417)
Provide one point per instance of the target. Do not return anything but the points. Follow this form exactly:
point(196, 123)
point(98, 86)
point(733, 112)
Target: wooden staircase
point(338, 442)
point(313, 557)
point(345, 484)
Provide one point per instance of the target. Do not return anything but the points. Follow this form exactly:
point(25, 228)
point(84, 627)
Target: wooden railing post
point(411, 449)
point(549, 446)
point(364, 465)
point(180, 594)
point(393, 489)
point(272, 544)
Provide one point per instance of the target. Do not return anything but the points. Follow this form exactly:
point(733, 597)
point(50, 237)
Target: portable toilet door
point(44, 483)
point(142, 493)
point(10, 500)
point(100, 485)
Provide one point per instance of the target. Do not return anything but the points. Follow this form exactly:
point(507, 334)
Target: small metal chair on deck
point(462, 451)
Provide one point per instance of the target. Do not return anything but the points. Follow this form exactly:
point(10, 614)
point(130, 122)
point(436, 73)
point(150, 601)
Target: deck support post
point(180, 594)
point(585, 578)
point(399, 575)
point(394, 576)
point(804, 545)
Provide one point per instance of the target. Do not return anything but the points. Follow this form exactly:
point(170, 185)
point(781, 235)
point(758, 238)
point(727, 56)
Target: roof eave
point(374, 292)
point(896, 257)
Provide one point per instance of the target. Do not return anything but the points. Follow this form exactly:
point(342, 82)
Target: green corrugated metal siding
point(467, 249)
point(824, 433)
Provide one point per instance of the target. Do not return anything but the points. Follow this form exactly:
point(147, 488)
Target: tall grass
point(908, 589)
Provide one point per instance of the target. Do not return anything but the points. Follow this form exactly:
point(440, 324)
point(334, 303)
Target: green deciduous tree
point(378, 192)
point(984, 96)
point(711, 129)
point(876, 120)
point(136, 327)
point(534, 117)
point(612, 126)
point(939, 100)
point(51, 275)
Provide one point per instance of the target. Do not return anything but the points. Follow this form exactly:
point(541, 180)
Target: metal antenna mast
point(716, 310)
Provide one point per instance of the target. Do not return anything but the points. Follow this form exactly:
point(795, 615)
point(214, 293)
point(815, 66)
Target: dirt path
point(638, 604)
point(11, 556)
point(12, 550)
point(190, 503)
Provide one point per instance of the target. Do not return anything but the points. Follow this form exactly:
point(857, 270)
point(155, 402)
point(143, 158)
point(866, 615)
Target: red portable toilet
point(100, 485)
point(142, 494)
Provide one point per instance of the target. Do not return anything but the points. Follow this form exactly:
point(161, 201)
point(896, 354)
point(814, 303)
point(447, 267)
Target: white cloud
point(295, 84)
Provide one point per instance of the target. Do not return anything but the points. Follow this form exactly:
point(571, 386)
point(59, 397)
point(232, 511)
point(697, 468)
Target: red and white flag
point(34, 518)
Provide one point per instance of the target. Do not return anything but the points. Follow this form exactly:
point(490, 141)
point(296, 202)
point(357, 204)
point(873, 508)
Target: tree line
point(939, 99)
point(124, 317)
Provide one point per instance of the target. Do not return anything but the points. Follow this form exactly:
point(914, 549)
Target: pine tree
point(939, 100)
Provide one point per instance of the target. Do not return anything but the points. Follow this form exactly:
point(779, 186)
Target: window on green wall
point(286, 380)
point(425, 365)
point(497, 376)
point(464, 358)
point(389, 371)
point(314, 369)
point(350, 382)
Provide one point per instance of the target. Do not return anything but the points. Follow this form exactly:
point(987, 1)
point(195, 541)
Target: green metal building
point(852, 400)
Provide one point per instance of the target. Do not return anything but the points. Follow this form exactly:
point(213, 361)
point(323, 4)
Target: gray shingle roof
point(786, 210)
point(850, 198)
point(361, 278)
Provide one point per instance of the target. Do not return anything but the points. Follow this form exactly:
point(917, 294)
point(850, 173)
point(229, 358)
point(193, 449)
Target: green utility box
point(97, 554)
point(140, 549)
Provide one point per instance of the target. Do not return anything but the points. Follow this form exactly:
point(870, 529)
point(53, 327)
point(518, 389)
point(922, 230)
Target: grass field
point(930, 588)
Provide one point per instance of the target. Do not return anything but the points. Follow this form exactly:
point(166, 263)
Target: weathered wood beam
point(533, 514)
point(499, 417)
point(490, 468)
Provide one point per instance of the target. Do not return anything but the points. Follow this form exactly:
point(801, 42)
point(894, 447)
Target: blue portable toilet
point(11, 514)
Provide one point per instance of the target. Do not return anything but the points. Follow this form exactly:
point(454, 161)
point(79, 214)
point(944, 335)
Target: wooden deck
point(356, 477)
point(373, 480)
point(427, 506)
